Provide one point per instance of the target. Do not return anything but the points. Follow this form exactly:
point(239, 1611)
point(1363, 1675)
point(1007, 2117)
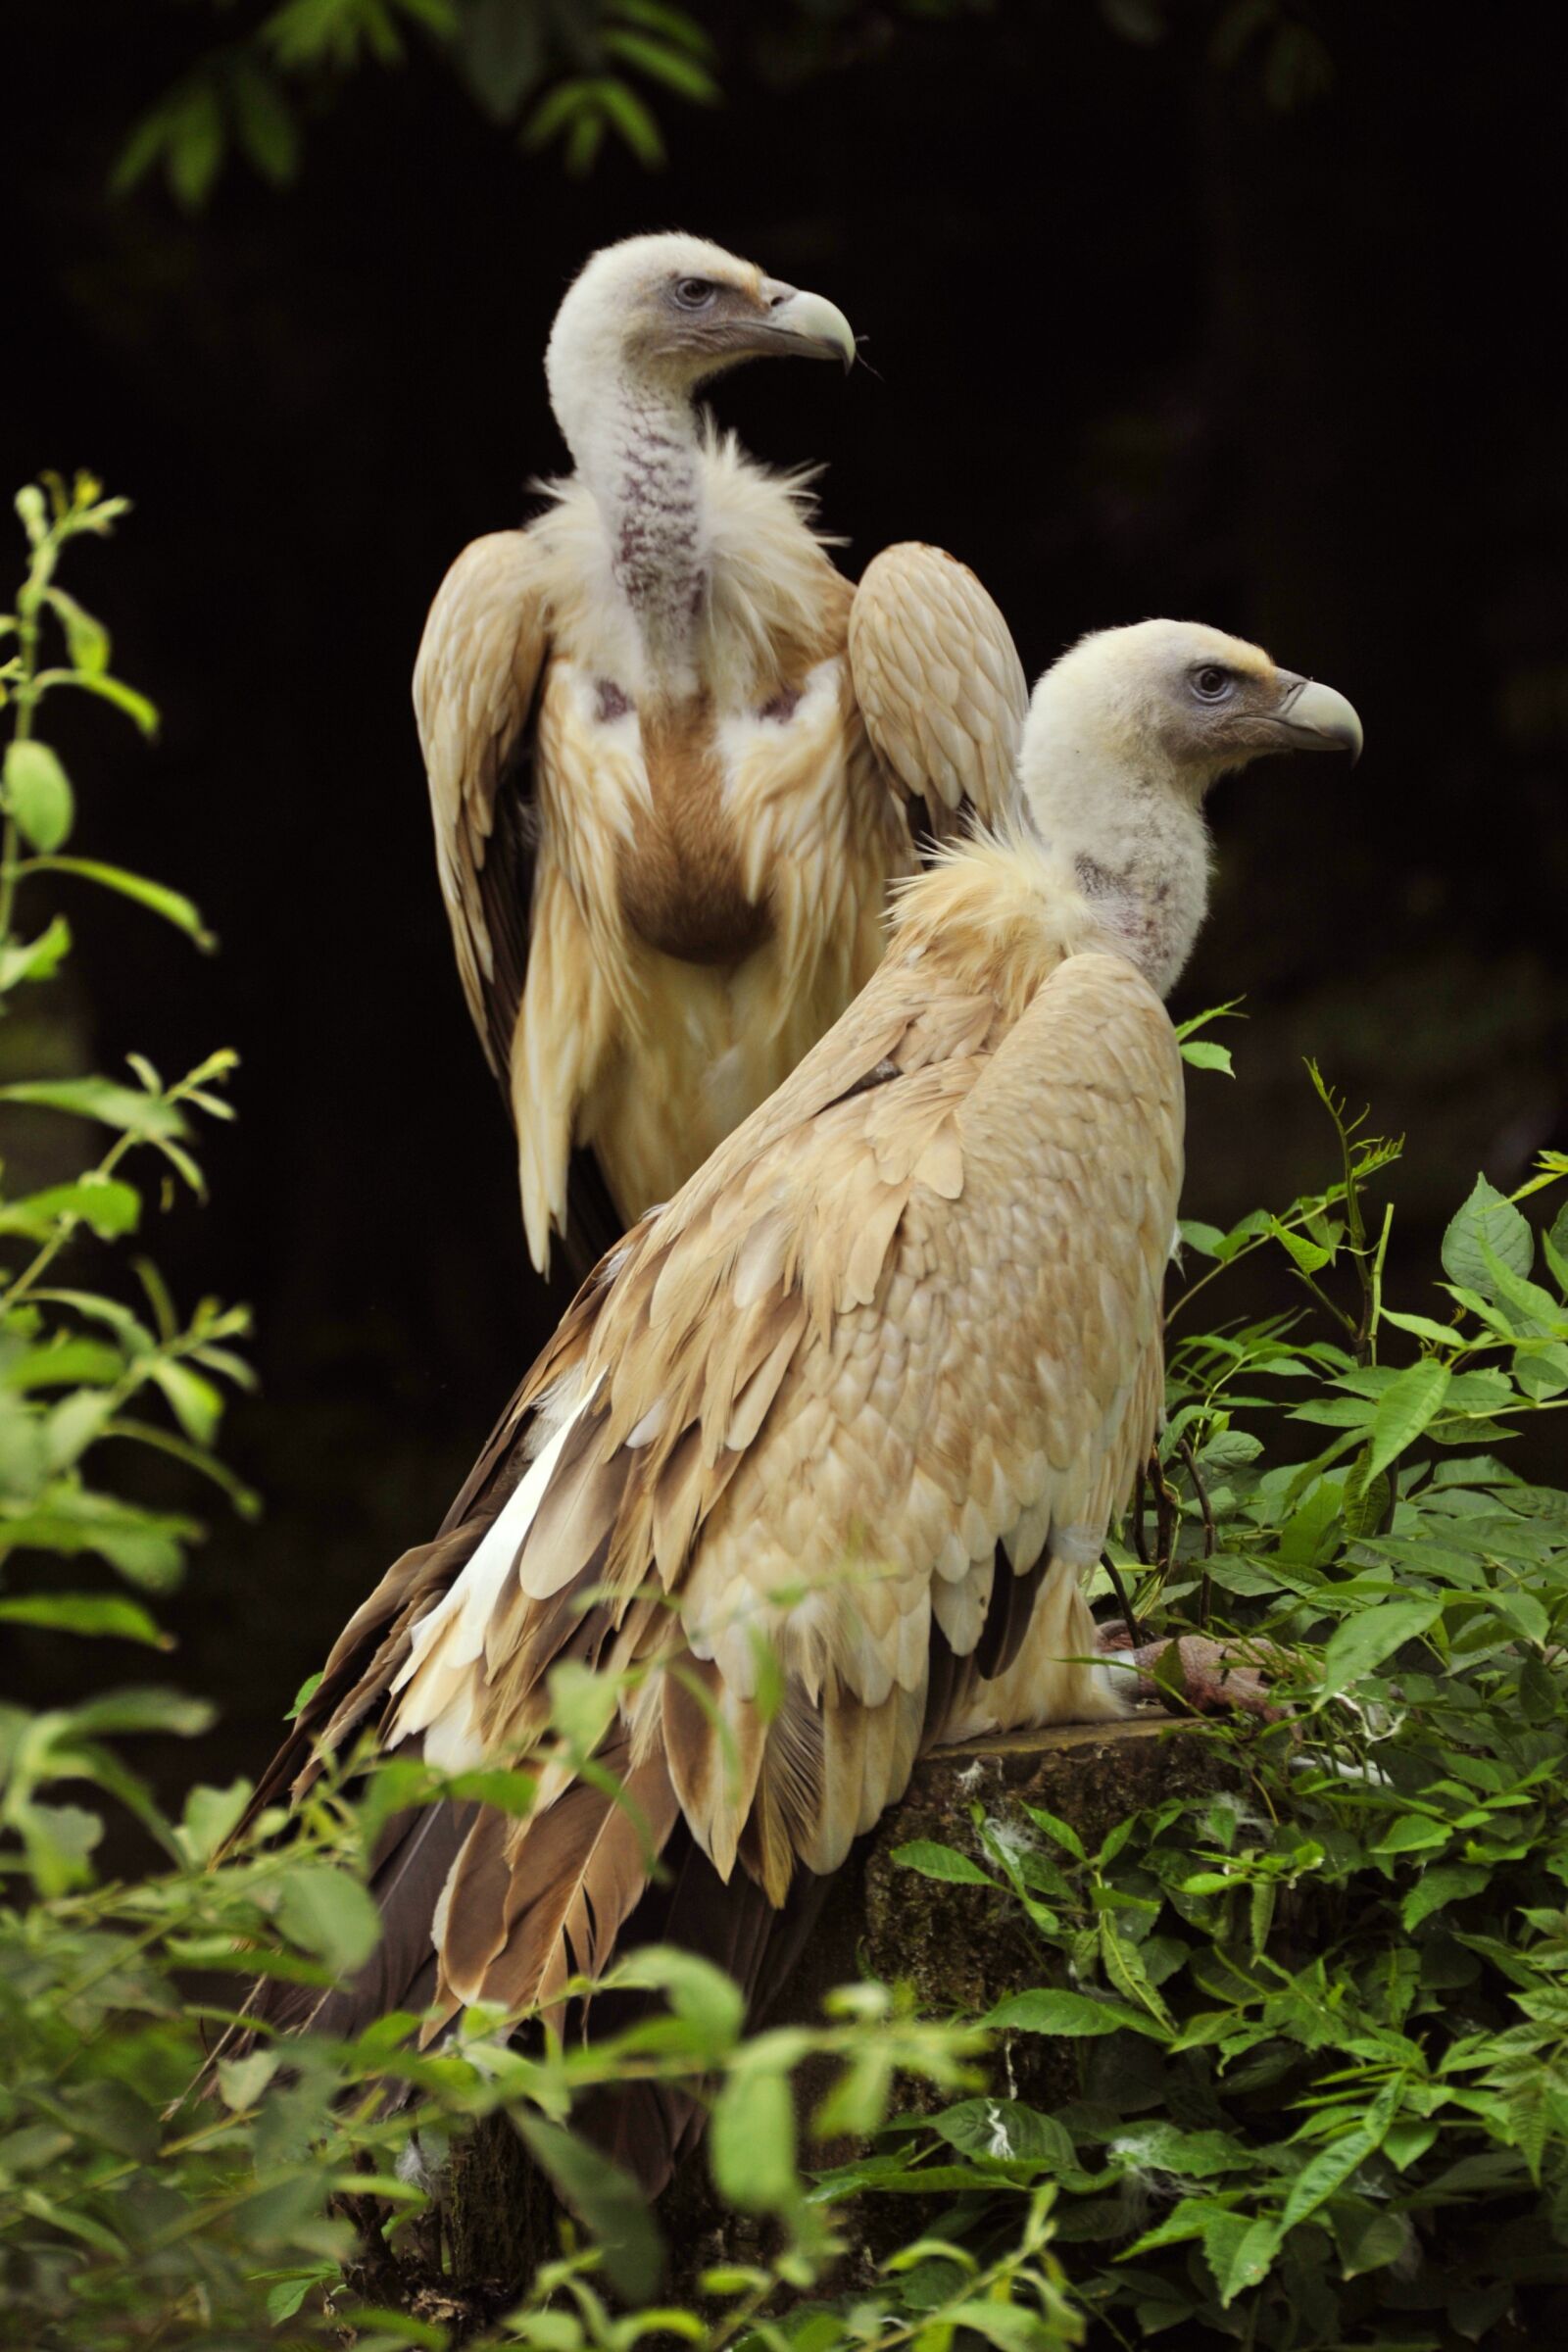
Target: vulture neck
point(1135, 844)
point(640, 456)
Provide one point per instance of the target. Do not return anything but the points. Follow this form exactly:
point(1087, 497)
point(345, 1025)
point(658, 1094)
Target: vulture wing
point(480, 665)
point(867, 1391)
point(476, 684)
point(939, 683)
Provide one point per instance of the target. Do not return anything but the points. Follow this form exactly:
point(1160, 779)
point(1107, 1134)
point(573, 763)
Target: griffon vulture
point(871, 1387)
point(664, 739)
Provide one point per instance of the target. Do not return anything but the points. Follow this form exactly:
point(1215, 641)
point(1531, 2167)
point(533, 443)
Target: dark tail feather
point(648, 2129)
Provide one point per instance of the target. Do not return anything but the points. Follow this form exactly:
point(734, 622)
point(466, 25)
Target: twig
point(1123, 1601)
point(1140, 1541)
point(1184, 1446)
point(1166, 1513)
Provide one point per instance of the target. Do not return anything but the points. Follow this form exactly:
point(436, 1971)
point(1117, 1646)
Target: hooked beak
point(808, 323)
point(1317, 719)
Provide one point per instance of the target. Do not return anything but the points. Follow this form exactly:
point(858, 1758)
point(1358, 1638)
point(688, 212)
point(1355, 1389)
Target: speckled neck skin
point(1138, 847)
point(640, 457)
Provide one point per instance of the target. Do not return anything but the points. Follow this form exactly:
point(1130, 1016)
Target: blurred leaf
point(35, 958)
point(195, 1403)
point(752, 2141)
point(621, 106)
point(86, 638)
point(113, 690)
point(330, 1914)
point(604, 2198)
point(99, 1099)
point(676, 68)
point(86, 1613)
point(170, 904)
point(107, 1204)
point(38, 794)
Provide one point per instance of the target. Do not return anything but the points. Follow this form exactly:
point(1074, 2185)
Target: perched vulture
point(667, 743)
point(868, 1390)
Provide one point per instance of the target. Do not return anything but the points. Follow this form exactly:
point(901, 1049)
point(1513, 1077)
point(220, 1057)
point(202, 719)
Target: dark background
point(1144, 341)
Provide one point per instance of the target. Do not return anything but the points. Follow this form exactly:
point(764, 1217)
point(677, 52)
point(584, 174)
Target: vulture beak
point(807, 323)
point(1317, 719)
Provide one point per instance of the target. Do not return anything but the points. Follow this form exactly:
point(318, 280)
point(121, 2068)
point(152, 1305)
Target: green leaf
point(632, 118)
point(35, 958)
point(113, 690)
point(1204, 1055)
point(328, 1913)
point(143, 1710)
point(604, 2198)
point(1451, 1883)
point(209, 1817)
point(1360, 1643)
point(1486, 1218)
point(752, 2141)
point(1061, 1833)
point(95, 1613)
point(1370, 2241)
point(934, 1861)
point(87, 638)
point(101, 1098)
point(681, 73)
point(307, 1691)
point(37, 793)
point(1421, 1326)
point(1334, 2164)
point(1075, 2015)
point(1404, 1410)
point(1007, 2131)
point(1413, 1834)
point(242, 2081)
point(170, 904)
point(107, 1204)
point(1240, 2253)
point(195, 1404)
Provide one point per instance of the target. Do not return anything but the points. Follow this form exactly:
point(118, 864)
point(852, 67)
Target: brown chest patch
point(680, 873)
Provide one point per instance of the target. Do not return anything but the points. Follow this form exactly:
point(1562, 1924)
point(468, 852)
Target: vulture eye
point(695, 293)
point(1211, 684)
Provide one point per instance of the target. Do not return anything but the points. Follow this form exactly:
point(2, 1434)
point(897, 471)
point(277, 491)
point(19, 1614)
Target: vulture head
point(663, 314)
point(1126, 733)
point(1180, 702)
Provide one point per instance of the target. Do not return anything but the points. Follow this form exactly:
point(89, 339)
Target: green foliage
point(81, 1366)
point(576, 76)
point(1321, 2017)
point(567, 73)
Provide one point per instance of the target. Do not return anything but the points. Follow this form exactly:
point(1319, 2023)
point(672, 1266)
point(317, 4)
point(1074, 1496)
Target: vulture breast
point(680, 869)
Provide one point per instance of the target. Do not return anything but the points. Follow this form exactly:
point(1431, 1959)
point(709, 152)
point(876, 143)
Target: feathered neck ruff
point(772, 604)
point(1001, 910)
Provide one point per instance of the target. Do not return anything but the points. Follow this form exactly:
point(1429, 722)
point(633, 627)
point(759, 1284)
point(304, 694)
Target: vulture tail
point(649, 2129)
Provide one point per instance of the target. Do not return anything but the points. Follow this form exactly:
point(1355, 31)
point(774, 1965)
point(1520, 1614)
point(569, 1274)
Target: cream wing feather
point(939, 683)
point(480, 665)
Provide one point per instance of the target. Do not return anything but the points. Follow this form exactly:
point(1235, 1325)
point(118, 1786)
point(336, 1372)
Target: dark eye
point(1211, 684)
point(695, 293)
